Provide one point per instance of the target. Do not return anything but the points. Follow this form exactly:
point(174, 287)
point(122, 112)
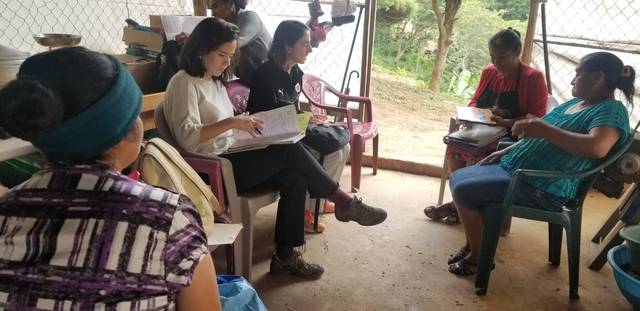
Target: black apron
point(504, 104)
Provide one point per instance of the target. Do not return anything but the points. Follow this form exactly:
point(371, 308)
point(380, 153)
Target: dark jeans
point(475, 186)
point(290, 170)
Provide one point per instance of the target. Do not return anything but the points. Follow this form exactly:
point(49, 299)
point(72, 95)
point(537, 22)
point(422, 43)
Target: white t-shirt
point(191, 103)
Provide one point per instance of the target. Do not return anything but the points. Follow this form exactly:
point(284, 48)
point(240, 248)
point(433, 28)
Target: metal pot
point(10, 61)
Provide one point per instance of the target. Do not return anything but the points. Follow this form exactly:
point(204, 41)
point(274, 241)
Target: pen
point(255, 127)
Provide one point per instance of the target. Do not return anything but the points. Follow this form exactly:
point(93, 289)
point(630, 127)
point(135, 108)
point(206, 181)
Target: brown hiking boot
point(361, 213)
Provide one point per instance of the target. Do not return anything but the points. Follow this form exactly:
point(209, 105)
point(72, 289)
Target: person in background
point(79, 234)
point(512, 89)
point(254, 39)
point(200, 117)
point(574, 137)
point(281, 84)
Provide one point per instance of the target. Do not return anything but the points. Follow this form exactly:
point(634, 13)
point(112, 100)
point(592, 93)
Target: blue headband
point(98, 128)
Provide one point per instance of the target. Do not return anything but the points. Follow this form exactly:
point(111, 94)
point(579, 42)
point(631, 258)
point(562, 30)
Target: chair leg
point(375, 155)
point(490, 237)
point(229, 253)
point(247, 260)
point(506, 227)
point(356, 162)
point(573, 254)
point(239, 254)
point(555, 244)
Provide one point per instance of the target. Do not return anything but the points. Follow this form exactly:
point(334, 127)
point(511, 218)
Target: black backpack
point(168, 62)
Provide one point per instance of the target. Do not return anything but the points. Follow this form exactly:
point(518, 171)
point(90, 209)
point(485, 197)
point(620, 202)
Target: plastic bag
point(236, 294)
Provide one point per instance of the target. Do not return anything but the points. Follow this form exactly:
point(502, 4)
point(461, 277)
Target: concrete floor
point(401, 264)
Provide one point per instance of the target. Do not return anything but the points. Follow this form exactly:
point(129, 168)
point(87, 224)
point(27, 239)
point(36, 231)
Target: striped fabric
point(611, 113)
point(88, 238)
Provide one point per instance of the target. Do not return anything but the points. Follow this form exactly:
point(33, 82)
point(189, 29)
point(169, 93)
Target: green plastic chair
point(569, 218)
point(15, 171)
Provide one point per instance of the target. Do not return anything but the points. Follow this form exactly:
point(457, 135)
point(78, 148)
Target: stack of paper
point(478, 135)
point(173, 25)
point(280, 128)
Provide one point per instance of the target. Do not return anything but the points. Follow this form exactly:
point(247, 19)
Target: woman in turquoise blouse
point(573, 137)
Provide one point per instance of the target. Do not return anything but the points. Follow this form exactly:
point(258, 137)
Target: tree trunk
point(445, 32)
point(402, 44)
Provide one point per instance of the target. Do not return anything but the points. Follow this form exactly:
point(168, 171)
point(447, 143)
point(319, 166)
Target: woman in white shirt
point(200, 118)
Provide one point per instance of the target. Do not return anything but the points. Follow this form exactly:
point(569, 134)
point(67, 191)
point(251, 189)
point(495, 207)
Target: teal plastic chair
point(569, 219)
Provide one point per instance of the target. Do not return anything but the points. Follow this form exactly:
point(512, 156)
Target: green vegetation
point(406, 46)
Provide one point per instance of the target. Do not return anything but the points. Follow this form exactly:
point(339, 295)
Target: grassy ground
point(412, 119)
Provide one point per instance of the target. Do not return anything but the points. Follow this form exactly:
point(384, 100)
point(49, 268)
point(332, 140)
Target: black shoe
point(361, 213)
point(295, 265)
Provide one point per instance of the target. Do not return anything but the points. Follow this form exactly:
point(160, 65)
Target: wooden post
point(531, 30)
point(200, 7)
point(367, 47)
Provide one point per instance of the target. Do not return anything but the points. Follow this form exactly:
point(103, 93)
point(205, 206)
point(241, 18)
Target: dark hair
point(53, 87)
point(208, 36)
point(616, 74)
point(287, 34)
point(506, 40)
point(240, 4)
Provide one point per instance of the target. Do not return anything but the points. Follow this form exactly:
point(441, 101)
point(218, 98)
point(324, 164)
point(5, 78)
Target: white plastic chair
point(241, 207)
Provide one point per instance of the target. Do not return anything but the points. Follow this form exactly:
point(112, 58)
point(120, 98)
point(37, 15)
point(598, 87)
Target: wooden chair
point(362, 128)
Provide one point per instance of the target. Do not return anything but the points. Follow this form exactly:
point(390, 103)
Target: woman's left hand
point(502, 121)
point(530, 128)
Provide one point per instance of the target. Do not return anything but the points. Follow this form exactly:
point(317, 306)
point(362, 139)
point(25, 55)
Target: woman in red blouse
point(511, 89)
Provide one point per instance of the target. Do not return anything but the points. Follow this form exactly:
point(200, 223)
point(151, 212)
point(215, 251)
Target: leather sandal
point(437, 212)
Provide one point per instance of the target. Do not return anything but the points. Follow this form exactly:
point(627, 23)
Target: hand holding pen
point(250, 124)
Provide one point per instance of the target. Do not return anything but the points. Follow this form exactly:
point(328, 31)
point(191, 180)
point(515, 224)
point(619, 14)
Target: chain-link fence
point(330, 59)
point(100, 23)
point(579, 27)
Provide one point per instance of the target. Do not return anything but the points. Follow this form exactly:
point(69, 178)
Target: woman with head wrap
point(79, 234)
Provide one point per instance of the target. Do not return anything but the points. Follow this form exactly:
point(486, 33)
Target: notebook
point(280, 127)
point(474, 115)
point(478, 135)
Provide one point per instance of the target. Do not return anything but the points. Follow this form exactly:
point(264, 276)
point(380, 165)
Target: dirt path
point(411, 118)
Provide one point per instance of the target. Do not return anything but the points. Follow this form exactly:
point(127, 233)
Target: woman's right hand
point(494, 157)
point(249, 124)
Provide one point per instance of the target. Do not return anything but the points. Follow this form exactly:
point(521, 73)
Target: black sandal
point(463, 267)
point(453, 258)
point(437, 212)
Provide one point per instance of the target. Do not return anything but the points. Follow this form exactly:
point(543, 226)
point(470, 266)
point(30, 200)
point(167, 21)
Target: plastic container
point(628, 285)
point(632, 235)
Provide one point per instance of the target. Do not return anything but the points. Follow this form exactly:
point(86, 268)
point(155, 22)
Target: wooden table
point(15, 147)
point(149, 104)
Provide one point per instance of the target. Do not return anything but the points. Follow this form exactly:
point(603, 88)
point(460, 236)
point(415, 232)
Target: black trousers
point(290, 170)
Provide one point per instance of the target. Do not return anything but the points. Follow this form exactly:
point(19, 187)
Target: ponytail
point(626, 83)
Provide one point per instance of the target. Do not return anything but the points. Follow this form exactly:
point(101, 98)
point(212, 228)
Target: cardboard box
point(155, 22)
point(143, 70)
point(148, 40)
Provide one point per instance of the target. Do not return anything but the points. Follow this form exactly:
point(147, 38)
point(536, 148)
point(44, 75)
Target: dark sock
point(341, 199)
point(284, 252)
